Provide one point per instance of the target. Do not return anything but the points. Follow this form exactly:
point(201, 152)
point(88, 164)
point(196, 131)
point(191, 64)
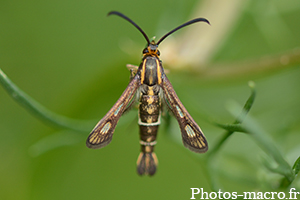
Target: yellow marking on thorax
point(143, 72)
point(158, 71)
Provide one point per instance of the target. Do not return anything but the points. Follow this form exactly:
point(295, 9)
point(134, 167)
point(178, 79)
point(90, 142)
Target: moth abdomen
point(147, 163)
point(149, 121)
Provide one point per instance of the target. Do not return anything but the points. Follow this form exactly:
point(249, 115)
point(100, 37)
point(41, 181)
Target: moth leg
point(133, 70)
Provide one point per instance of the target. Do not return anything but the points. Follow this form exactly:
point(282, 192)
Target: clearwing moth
point(150, 85)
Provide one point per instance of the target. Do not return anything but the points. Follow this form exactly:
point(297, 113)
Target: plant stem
point(40, 111)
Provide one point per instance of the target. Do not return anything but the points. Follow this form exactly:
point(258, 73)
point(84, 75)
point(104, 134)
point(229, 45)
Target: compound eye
point(145, 51)
point(158, 52)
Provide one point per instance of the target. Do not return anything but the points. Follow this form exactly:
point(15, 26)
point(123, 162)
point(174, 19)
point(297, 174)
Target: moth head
point(151, 50)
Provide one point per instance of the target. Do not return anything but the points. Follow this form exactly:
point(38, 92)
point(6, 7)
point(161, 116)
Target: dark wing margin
point(192, 136)
point(102, 133)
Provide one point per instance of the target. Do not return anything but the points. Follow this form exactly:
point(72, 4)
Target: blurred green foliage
point(69, 57)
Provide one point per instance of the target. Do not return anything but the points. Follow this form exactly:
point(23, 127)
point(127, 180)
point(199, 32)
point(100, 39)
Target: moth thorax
point(150, 71)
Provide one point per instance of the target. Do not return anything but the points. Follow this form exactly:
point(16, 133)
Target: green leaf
point(296, 166)
point(264, 141)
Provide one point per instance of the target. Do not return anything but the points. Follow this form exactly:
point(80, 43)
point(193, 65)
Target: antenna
point(181, 26)
point(134, 24)
point(166, 35)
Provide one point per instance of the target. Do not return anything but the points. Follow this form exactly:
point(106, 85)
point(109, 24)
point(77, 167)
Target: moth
point(150, 85)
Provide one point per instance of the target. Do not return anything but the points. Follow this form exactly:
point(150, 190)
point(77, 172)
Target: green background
point(71, 58)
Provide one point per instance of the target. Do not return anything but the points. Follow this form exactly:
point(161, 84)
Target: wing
point(102, 134)
point(192, 136)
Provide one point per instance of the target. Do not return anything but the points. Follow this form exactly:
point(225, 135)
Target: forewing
point(192, 135)
point(102, 134)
